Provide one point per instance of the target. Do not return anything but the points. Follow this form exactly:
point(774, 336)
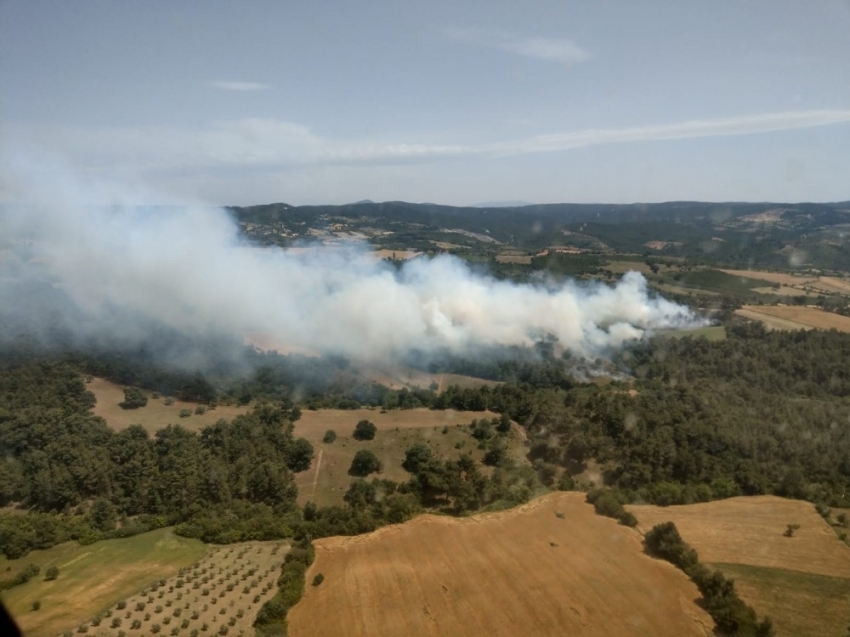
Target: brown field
point(551, 567)
point(155, 415)
point(523, 259)
point(833, 284)
point(621, 267)
point(399, 377)
point(401, 255)
point(773, 277)
point(795, 580)
point(313, 424)
point(327, 479)
point(786, 317)
point(784, 290)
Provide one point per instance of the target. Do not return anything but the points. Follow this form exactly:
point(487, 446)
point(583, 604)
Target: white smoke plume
point(188, 267)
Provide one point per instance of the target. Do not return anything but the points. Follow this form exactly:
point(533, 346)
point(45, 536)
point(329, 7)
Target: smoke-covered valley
point(85, 258)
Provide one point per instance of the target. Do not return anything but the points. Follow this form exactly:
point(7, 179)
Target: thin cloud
point(272, 143)
point(226, 85)
point(692, 129)
point(558, 50)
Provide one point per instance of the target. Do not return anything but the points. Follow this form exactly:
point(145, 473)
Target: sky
point(449, 102)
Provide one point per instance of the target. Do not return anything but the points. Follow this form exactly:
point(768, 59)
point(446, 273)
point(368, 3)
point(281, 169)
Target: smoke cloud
point(187, 267)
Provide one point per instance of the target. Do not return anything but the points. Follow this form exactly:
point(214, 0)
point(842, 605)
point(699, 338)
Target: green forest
point(678, 421)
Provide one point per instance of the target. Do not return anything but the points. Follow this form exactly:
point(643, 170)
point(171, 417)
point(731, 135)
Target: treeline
point(761, 412)
point(228, 482)
point(271, 618)
point(731, 614)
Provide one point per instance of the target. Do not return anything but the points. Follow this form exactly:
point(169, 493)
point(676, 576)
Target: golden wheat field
point(794, 317)
point(550, 567)
point(802, 582)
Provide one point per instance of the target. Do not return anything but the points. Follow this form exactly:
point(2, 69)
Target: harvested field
point(833, 284)
point(795, 579)
point(399, 377)
point(784, 290)
point(788, 317)
point(749, 530)
point(399, 255)
point(523, 259)
point(551, 567)
point(92, 578)
point(774, 277)
point(313, 424)
point(156, 414)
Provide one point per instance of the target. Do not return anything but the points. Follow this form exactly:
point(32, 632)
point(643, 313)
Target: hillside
point(549, 567)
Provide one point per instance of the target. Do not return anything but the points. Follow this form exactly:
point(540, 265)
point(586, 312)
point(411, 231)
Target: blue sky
point(448, 102)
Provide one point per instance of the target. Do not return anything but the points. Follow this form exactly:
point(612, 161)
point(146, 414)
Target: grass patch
point(156, 414)
point(798, 603)
point(389, 445)
point(92, 578)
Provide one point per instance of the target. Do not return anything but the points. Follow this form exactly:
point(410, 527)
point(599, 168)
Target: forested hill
point(733, 233)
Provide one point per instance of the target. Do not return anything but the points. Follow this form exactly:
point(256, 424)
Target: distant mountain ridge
point(737, 234)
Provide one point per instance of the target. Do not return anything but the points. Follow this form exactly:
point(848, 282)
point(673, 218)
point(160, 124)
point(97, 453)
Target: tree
point(51, 574)
point(329, 437)
point(364, 430)
point(103, 515)
point(300, 455)
point(364, 463)
point(133, 399)
point(417, 457)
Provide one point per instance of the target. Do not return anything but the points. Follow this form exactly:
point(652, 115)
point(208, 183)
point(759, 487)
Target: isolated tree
point(51, 574)
point(364, 430)
point(364, 463)
point(329, 437)
point(790, 529)
point(133, 399)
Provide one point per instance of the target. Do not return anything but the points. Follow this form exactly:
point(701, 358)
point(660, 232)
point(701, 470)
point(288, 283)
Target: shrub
point(136, 624)
point(364, 430)
point(140, 606)
point(121, 605)
point(155, 628)
point(51, 574)
point(116, 622)
point(36, 605)
point(200, 410)
point(318, 579)
point(169, 400)
point(329, 437)
point(606, 502)
point(25, 575)
point(133, 399)
point(185, 412)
